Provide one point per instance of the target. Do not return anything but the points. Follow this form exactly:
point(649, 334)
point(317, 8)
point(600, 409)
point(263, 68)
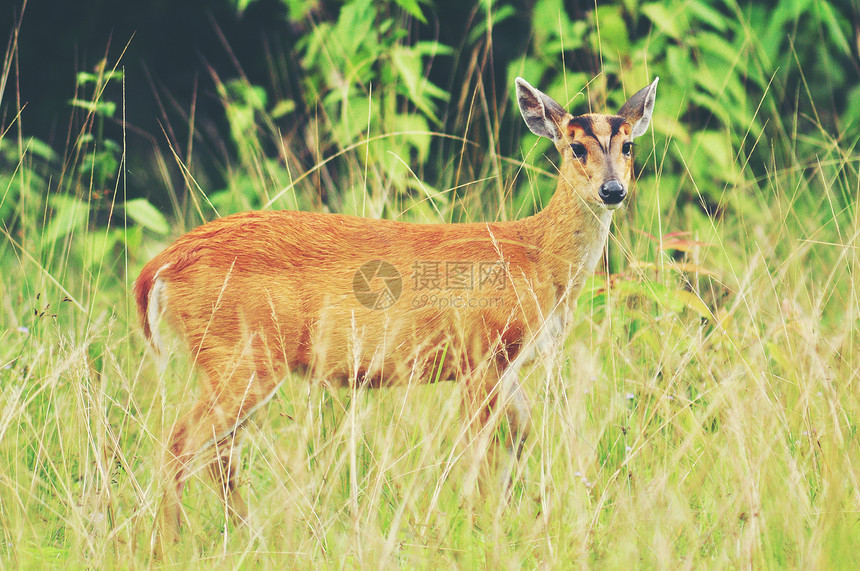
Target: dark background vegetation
point(238, 98)
point(166, 49)
point(167, 46)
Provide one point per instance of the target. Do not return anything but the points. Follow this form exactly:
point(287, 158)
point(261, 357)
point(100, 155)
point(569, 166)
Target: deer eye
point(579, 150)
point(626, 148)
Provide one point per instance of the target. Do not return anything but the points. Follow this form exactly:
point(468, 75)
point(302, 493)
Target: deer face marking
point(596, 150)
point(601, 146)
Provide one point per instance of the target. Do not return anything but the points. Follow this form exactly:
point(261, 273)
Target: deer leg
point(491, 395)
point(517, 407)
point(224, 472)
point(481, 415)
point(187, 439)
point(518, 414)
point(212, 420)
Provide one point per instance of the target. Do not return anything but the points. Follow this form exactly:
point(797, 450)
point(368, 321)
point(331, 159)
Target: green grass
point(702, 412)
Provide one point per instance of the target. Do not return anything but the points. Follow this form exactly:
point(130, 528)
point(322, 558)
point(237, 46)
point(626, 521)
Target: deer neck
point(572, 235)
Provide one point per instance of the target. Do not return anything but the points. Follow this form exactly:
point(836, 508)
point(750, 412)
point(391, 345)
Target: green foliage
point(82, 218)
point(721, 65)
point(142, 212)
point(367, 81)
point(366, 99)
point(20, 174)
point(100, 156)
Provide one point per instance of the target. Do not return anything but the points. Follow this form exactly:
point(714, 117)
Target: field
point(702, 412)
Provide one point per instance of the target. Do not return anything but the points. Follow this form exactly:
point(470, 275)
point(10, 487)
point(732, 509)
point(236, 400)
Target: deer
point(260, 295)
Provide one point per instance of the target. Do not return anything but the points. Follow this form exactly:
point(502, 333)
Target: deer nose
point(612, 192)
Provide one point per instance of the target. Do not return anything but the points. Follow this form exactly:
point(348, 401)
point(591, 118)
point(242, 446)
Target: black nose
point(612, 192)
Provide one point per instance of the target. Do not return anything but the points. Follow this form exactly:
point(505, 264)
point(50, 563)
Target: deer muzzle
point(612, 192)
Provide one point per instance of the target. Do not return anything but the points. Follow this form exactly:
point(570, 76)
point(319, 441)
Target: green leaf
point(240, 92)
point(833, 26)
point(706, 14)
point(554, 30)
point(283, 107)
point(355, 31)
point(416, 131)
point(413, 9)
point(666, 20)
point(113, 74)
point(70, 214)
point(500, 14)
point(548, 20)
point(241, 5)
point(144, 213)
point(612, 30)
point(716, 44)
point(100, 246)
point(354, 119)
point(85, 77)
point(40, 149)
point(694, 302)
point(432, 49)
point(297, 9)
point(104, 108)
point(421, 92)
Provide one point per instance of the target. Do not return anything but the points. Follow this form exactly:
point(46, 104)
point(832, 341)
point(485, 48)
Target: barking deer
point(378, 302)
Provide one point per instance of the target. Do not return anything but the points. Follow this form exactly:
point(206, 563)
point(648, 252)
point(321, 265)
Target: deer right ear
point(540, 111)
point(638, 109)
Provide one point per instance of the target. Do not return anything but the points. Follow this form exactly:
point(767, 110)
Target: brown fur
point(260, 293)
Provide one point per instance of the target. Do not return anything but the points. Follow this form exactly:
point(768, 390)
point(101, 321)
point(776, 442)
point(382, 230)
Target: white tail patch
point(155, 306)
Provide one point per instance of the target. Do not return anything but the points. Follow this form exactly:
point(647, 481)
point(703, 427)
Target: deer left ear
point(541, 112)
point(638, 109)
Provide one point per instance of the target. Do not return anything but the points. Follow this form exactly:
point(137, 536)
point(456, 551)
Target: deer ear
point(540, 111)
point(638, 109)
